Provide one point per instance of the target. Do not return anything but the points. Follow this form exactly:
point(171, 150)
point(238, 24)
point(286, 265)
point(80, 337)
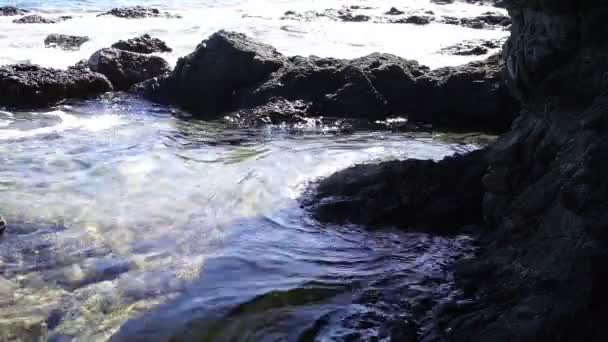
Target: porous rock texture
point(142, 44)
point(8, 11)
point(26, 85)
point(124, 68)
point(64, 41)
point(231, 73)
point(540, 274)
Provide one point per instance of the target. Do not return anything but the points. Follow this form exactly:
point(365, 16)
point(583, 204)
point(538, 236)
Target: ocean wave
point(63, 123)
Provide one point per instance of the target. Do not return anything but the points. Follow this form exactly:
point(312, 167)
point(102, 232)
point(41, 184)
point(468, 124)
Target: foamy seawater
point(128, 223)
point(258, 18)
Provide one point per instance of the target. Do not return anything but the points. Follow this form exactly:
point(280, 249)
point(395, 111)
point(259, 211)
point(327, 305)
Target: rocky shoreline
point(536, 198)
point(234, 76)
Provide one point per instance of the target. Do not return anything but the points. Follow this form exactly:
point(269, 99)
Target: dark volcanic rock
point(421, 194)
point(25, 85)
point(124, 68)
point(470, 96)
point(137, 12)
point(496, 3)
point(415, 19)
point(554, 63)
point(231, 72)
point(7, 11)
point(208, 80)
point(65, 42)
point(35, 19)
point(329, 86)
point(484, 21)
point(394, 11)
point(546, 195)
point(472, 47)
point(144, 44)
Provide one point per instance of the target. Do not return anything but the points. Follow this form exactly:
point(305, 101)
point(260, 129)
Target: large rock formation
point(124, 68)
point(230, 73)
point(25, 85)
point(435, 201)
point(207, 81)
point(540, 274)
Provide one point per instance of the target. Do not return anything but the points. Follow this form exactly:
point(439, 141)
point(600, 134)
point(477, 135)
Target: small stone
point(394, 11)
point(65, 42)
point(2, 225)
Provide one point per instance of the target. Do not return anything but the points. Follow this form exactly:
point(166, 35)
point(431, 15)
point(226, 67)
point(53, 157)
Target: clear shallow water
point(257, 18)
point(123, 215)
point(117, 206)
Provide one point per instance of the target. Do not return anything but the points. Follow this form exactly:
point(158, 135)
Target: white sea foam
point(259, 18)
point(64, 122)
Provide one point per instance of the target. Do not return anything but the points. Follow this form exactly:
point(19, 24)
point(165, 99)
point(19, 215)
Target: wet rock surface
point(7, 11)
point(468, 97)
point(37, 19)
point(137, 12)
point(252, 75)
point(473, 47)
point(432, 196)
point(143, 44)
point(25, 85)
point(207, 81)
point(66, 42)
point(124, 68)
point(545, 196)
point(485, 21)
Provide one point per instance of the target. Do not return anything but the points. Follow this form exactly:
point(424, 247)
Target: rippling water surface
point(127, 220)
point(117, 206)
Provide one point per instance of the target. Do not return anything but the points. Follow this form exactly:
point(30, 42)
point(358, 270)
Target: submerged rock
point(485, 21)
point(124, 68)
point(143, 44)
point(8, 11)
point(66, 42)
point(416, 194)
point(25, 85)
point(137, 12)
point(23, 329)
